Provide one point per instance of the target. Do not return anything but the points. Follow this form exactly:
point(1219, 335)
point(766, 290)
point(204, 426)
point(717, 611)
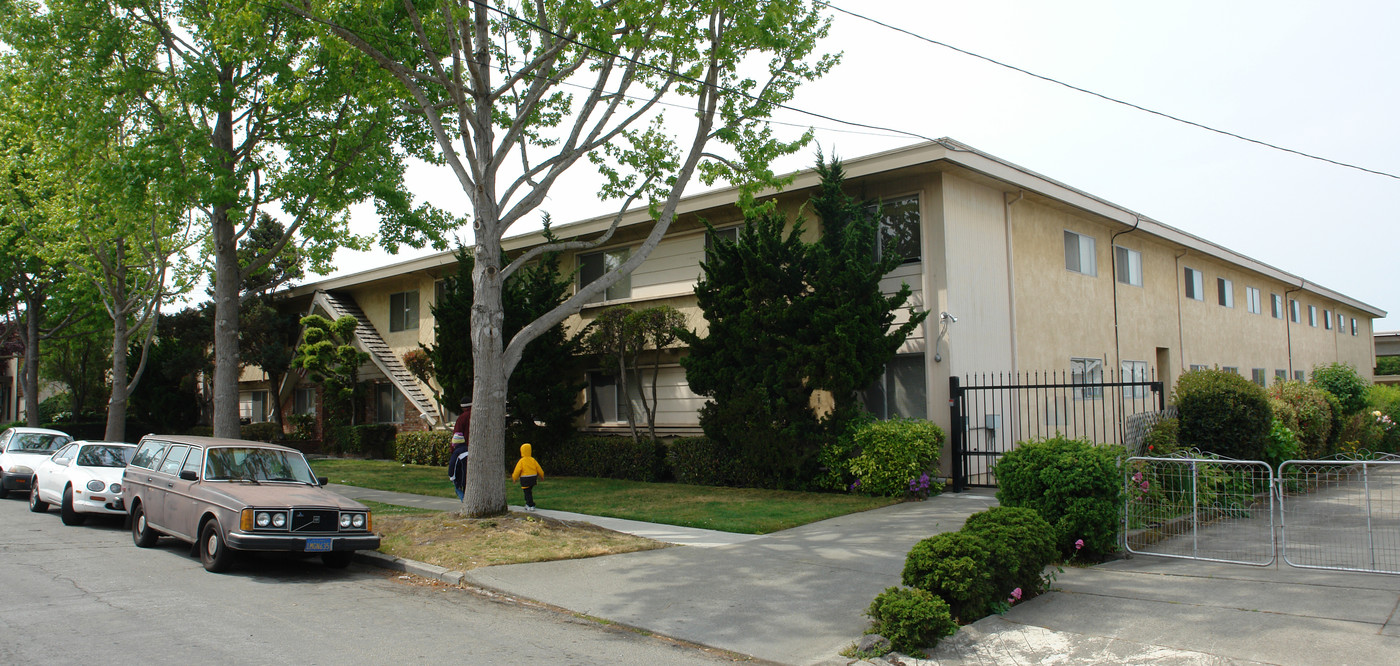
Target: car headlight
point(22, 470)
point(263, 519)
point(358, 521)
point(344, 520)
point(96, 486)
point(279, 519)
point(116, 489)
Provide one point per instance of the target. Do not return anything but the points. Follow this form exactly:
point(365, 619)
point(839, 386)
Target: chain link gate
point(1320, 514)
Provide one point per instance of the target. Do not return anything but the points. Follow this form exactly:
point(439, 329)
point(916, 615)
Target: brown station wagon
point(229, 495)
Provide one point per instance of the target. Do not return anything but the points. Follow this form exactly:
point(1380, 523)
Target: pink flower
point(1015, 595)
point(1143, 485)
point(1078, 544)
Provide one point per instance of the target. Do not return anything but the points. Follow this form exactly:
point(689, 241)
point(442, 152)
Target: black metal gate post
point(958, 436)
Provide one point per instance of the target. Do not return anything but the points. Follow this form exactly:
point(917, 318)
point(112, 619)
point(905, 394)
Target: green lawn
point(743, 510)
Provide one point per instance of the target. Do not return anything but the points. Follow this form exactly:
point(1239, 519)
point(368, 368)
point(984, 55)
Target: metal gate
point(1320, 514)
point(991, 413)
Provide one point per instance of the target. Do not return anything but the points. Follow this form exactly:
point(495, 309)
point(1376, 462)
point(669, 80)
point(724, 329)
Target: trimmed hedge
point(603, 457)
point(1075, 485)
point(912, 619)
point(265, 431)
point(1223, 413)
point(1020, 543)
point(894, 453)
point(701, 461)
point(364, 441)
point(429, 447)
point(955, 566)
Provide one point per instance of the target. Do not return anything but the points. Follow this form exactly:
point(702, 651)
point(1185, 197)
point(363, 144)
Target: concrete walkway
point(799, 596)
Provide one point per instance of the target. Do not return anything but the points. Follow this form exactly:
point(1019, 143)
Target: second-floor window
point(1252, 300)
point(593, 266)
point(1128, 264)
point(403, 311)
point(899, 229)
point(1277, 302)
point(1195, 285)
point(1225, 291)
point(1293, 311)
point(1079, 254)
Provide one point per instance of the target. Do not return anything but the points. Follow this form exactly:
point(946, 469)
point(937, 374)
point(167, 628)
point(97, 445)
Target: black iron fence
point(992, 412)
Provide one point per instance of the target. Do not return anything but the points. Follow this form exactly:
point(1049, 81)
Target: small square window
point(1195, 285)
point(389, 404)
point(1087, 371)
point(1128, 265)
point(1299, 375)
point(1225, 292)
point(593, 266)
point(1281, 375)
point(1079, 254)
point(403, 311)
point(899, 229)
point(1257, 375)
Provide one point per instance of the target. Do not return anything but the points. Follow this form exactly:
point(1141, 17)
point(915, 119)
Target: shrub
point(1282, 446)
point(1222, 413)
point(1310, 417)
point(894, 452)
point(1074, 485)
point(303, 427)
point(1162, 439)
point(1386, 400)
point(429, 447)
point(1342, 381)
point(605, 457)
point(1361, 432)
point(57, 407)
point(265, 431)
point(912, 619)
point(955, 567)
point(834, 458)
point(365, 441)
point(702, 461)
point(1020, 543)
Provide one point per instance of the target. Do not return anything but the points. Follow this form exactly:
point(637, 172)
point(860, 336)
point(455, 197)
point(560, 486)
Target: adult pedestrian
point(463, 426)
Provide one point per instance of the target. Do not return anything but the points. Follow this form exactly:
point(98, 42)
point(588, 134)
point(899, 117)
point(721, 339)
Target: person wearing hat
point(463, 426)
point(457, 464)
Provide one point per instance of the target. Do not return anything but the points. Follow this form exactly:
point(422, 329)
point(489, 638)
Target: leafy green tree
point(615, 338)
point(515, 102)
point(329, 356)
point(1387, 365)
point(170, 397)
point(544, 387)
point(269, 340)
point(751, 362)
point(658, 327)
point(852, 333)
point(79, 359)
point(1344, 382)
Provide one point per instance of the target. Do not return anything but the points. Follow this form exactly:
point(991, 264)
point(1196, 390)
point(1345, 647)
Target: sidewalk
point(798, 597)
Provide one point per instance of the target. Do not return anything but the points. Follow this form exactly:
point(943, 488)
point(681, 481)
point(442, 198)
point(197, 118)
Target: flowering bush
point(918, 488)
point(894, 452)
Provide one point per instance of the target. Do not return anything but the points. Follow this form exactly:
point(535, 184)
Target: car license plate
point(318, 545)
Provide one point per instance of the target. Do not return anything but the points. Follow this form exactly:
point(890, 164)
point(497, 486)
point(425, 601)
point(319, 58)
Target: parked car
point(229, 495)
point(21, 450)
point(81, 478)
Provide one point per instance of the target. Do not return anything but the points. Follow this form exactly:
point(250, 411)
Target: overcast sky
point(1316, 77)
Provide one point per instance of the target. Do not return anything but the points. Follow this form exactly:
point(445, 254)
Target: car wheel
point(338, 559)
point(65, 510)
point(216, 556)
point(141, 532)
point(35, 504)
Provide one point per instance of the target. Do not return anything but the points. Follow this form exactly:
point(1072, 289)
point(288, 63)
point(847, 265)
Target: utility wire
point(1100, 95)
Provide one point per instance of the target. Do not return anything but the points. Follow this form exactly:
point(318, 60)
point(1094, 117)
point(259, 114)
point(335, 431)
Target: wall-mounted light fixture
point(945, 319)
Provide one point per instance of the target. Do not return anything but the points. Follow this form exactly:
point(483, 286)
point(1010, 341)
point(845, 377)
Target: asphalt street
point(83, 595)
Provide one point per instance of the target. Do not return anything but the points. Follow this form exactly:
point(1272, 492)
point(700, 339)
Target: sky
point(1315, 77)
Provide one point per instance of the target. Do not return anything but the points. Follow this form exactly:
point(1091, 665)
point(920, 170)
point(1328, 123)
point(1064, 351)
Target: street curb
point(375, 558)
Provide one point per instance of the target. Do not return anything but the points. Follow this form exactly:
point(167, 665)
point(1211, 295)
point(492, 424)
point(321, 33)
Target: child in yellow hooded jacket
point(527, 472)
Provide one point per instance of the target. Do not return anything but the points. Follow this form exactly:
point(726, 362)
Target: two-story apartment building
point(1033, 274)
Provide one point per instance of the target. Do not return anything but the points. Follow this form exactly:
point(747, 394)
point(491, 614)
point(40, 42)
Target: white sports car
point(82, 477)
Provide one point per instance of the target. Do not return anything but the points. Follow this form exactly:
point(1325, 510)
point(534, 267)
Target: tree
point(515, 102)
point(272, 116)
point(79, 360)
point(329, 356)
point(658, 327)
point(851, 334)
point(751, 362)
point(614, 337)
point(170, 398)
point(543, 388)
point(268, 339)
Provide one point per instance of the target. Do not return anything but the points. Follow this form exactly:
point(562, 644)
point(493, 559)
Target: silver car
point(21, 451)
point(228, 495)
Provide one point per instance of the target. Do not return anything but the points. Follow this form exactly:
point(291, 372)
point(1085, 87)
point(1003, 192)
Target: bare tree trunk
point(226, 288)
point(34, 312)
point(116, 406)
point(485, 494)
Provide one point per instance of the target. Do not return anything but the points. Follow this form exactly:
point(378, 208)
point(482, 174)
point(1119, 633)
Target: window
point(1298, 375)
point(899, 229)
point(1195, 285)
point(252, 406)
point(194, 461)
point(730, 234)
point(1277, 302)
point(1281, 375)
point(389, 404)
point(1087, 371)
point(1128, 265)
point(1134, 371)
point(149, 454)
point(1225, 292)
point(440, 292)
point(1341, 322)
point(174, 460)
point(1293, 311)
point(403, 311)
point(1252, 300)
point(1231, 369)
point(1353, 325)
point(900, 391)
point(1327, 319)
point(1312, 316)
point(305, 400)
point(1257, 374)
point(605, 404)
point(1079, 254)
point(1199, 366)
point(591, 267)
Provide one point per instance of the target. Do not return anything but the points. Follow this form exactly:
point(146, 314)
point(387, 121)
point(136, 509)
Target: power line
point(1100, 95)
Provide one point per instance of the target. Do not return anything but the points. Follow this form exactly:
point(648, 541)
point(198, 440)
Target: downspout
point(1117, 351)
point(1180, 337)
point(1288, 324)
point(1011, 273)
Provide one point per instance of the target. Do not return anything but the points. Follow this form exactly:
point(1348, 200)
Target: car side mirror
point(189, 475)
point(322, 480)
